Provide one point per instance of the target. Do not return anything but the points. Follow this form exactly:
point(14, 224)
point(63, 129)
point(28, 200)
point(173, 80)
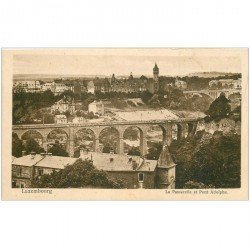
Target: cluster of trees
point(31, 145)
point(81, 174)
point(221, 108)
point(58, 150)
point(198, 83)
point(86, 115)
point(173, 98)
point(28, 107)
point(206, 160)
point(210, 161)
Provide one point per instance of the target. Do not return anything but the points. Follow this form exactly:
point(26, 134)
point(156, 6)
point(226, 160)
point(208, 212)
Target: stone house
point(60, 119)
point(97, 107)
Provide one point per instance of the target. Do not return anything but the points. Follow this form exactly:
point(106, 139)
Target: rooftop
point(58, 162)
point(27, 160)
point(60, 116)
point(119, 162)
point(102, 161)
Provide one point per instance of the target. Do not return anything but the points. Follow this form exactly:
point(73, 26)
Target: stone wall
point(130, 178)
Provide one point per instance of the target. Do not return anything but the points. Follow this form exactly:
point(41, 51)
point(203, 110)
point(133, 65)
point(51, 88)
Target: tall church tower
point(156, 72)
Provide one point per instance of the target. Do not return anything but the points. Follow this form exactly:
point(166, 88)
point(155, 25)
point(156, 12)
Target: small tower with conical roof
point(165, 171)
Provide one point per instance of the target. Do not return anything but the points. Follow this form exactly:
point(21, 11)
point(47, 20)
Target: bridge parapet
point(113, 123)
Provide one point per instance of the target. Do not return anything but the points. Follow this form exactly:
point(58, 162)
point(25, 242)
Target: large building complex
point(103, 85)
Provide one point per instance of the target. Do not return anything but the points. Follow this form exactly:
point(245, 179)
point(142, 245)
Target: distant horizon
point(123, 75)
point(123, 65)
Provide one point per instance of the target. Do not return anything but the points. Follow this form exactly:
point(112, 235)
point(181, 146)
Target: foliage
point(107, 148)
point(154, 151)
point(196, 185)
point(134, 151)
point(146, 96)
point(58, 150)
point(219, 108)
point(26, 105)
point(17, 146)
point(32, 145)
point(49, 119)
point(81, 174)
point(209, 159)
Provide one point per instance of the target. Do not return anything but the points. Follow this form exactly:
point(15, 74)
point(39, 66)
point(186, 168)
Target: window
point(40, 172)
point(20, 171)
point(141, 177)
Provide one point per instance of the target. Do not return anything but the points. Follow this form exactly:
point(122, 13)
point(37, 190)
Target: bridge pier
point(45, 144)
point(96, 145)
point(121, 146)
point(169, 137)
point(143, 145)
point(192, 128)
point(71, 148)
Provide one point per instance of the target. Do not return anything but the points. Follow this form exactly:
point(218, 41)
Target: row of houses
point(134, 171)
point(39, 87)
point(65, 105)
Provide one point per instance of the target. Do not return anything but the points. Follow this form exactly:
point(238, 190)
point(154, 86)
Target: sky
point(123, 64)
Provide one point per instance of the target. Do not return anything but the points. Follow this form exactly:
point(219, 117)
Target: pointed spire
point(165, 160)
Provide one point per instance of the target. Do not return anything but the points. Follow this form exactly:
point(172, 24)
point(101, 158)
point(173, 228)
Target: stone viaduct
point(184, 127)
point(213, 93)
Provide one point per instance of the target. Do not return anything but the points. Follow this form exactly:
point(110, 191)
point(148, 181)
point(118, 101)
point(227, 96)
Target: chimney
point(134, 165)
point(23, 153)
point(111, 159)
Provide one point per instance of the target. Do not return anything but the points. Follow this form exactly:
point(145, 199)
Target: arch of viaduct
point(184, 126)
point(213, 93)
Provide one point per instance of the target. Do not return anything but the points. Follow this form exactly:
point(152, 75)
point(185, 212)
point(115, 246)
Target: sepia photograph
point(125, 125)
point(132, 119)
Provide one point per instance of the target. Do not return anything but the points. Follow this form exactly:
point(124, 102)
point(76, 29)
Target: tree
point(58, 150)
point(208, 159)
point(146, 96)
point(31, 145)
point(107, 149)
point(78, 113)
point(219, 108)
point(17, 146)
point(81, 174)
point(134, 151)
point(48, 119)
point(154, 151)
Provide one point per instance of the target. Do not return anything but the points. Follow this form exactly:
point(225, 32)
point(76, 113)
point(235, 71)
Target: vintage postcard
point(125, 124)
